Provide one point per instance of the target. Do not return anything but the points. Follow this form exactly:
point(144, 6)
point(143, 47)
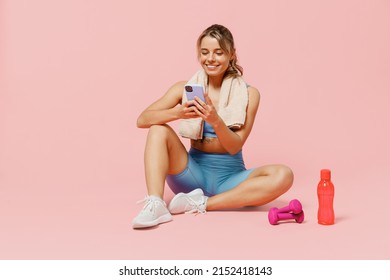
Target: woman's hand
point(206, 110)
point(187, 110)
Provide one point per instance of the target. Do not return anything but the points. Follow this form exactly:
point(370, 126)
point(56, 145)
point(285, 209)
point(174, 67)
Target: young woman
point(212, 174)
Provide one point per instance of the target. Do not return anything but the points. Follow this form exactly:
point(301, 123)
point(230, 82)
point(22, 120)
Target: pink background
point(76, 74)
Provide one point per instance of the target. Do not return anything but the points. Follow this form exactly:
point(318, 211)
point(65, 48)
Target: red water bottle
point(325, 192)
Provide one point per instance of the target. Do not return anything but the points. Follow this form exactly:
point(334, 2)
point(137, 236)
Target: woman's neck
point(215, 82)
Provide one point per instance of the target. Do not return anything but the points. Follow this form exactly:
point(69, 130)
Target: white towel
point(233, 101)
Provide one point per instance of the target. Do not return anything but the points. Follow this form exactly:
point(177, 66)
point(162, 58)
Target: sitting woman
point(212, 174)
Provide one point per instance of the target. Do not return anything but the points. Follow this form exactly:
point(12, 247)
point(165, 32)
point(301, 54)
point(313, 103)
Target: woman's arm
point(165, 109)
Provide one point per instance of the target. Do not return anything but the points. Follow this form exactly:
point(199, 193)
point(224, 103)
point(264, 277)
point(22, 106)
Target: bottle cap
point(325, 174)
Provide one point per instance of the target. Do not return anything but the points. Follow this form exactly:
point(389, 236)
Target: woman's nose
point(211, 57)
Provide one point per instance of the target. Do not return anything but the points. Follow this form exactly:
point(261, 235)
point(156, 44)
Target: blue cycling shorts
point(214, 173)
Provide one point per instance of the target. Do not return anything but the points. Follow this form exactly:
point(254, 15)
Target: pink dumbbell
point(294, 206)
point(274, 216)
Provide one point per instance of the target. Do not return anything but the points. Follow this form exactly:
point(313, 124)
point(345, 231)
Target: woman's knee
point(165, 138)
point(160, 131)
point(284, 177)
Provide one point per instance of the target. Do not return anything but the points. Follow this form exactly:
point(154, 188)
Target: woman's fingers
point(207, 99)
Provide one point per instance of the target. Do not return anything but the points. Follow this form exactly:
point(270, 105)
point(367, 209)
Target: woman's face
point(214, 60)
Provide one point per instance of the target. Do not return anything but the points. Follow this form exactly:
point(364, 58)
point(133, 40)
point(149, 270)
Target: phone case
point(193, 90)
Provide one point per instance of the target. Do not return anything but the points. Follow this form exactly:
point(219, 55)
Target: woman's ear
point(233, 55)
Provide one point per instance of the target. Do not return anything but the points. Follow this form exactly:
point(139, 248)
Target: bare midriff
point(208, 145)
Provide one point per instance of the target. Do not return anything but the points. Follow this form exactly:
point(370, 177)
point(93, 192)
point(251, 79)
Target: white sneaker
point(154, 212)
point(192, 202)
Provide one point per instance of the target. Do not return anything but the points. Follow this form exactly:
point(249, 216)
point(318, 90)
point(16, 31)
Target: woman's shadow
point(262, 208)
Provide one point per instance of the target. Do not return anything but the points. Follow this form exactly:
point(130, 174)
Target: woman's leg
point(164, 154)
point(263, 185)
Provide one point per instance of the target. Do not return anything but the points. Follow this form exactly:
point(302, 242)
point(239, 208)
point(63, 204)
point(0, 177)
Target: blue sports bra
point(208, 131)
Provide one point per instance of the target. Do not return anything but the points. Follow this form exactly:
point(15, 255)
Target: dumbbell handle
point(294, 206)
point(287, 216)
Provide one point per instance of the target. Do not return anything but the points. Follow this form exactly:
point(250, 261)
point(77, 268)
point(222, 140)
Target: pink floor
point(69, 224)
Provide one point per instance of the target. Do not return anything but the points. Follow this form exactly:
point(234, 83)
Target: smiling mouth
point(211, 66)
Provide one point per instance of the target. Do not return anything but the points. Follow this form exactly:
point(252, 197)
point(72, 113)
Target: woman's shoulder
point(253, 99)
point(253, 92)
point(177, 88)
point(179, 85)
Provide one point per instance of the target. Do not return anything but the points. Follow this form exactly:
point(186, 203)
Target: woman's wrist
point(218, 123)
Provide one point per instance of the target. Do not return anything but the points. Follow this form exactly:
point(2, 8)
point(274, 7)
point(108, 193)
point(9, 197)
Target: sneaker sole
point(194, 192)
point(162, 219)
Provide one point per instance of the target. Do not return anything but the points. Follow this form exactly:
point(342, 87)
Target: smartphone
point(193, 90)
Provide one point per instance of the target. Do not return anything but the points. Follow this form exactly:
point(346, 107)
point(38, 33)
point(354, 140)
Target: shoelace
point(148, 201)
point(196, 207)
